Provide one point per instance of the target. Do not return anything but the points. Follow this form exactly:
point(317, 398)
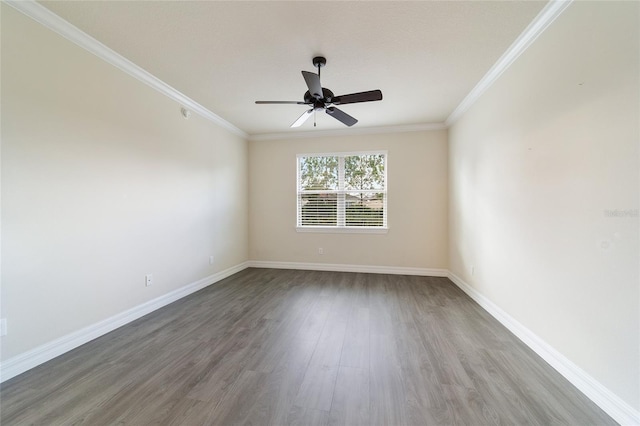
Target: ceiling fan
point(322, 99)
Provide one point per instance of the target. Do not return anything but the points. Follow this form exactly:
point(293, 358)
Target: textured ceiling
point(424, 56)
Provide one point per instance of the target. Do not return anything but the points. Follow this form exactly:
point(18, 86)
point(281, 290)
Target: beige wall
point(534, 166)
point(417, 203)
point(103, 182)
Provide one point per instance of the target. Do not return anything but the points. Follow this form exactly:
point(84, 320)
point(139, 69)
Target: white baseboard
point(338, 267)
point(611, 404)
point(619, 410)
point(41, 354)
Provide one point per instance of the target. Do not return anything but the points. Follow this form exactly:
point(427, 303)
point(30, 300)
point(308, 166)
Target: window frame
point(343, 228)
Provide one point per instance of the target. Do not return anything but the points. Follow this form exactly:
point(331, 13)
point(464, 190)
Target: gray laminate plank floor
point(277, 347)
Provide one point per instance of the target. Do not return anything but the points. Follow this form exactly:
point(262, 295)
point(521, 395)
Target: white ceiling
point(425, 56)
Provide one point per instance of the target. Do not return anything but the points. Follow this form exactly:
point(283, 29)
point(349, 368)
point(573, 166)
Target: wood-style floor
point(278, 347)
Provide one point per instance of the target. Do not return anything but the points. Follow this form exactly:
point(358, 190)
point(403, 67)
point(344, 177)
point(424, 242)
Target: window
point(344, 191)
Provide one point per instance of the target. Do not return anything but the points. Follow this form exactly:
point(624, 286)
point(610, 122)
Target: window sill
point(343, 230)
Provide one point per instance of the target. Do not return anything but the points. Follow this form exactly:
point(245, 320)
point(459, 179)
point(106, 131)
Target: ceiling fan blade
point(281, 102)
point(352, 98)
point(313, 83)
point(341, 116)
point(302, 118)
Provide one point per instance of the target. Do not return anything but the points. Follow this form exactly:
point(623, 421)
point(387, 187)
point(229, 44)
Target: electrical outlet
point(148, 280)
point(3, 327)
point(210, 260)
point(320, 250)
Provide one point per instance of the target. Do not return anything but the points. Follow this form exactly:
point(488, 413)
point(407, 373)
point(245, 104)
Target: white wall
point(103, 182)
point(534, 167)
point(417, 203)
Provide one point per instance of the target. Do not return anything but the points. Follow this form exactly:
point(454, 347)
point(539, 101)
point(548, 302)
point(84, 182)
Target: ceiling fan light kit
point(322, 99)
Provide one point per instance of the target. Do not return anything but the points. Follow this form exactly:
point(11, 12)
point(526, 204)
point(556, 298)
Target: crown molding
point(72, 33)
point(50, 20)
point(348, 132)
point(547, 15)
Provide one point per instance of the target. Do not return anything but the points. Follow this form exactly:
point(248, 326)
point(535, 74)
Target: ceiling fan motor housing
point(327, 97)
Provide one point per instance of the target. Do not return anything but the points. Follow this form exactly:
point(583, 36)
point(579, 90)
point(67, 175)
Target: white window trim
point(344, 229)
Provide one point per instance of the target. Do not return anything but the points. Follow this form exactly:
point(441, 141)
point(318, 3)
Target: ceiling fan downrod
point(319, 62)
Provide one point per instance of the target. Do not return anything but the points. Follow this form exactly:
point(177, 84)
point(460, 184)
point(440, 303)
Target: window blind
point(345, 190)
